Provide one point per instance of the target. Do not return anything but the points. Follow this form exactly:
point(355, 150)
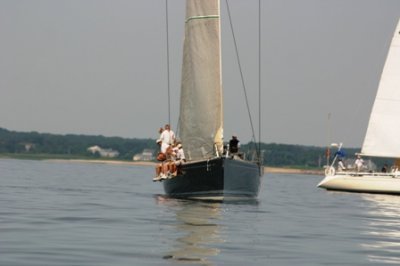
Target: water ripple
point(81, 214)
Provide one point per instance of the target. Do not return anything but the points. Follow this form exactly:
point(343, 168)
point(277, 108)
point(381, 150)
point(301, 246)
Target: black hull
point(219, 177)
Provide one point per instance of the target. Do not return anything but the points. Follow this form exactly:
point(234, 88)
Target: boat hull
point(365, 183)
point(218, 178)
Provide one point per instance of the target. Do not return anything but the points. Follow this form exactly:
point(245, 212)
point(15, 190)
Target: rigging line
point(259, 80)
point(241, 72)
point(168, 74)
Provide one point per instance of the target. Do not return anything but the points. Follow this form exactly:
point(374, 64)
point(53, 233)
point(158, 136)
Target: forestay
point(382, 138)
point(201, 117)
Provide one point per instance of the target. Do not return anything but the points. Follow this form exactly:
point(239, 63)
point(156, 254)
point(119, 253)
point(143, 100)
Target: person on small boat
point(359, 163)
point(234, 144)
point(341, 166)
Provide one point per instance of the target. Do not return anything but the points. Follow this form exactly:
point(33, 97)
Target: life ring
point(330, 171)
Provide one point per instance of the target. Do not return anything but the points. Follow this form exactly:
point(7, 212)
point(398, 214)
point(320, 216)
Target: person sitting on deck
point(179, 159)
point(160, 168)
point(170, 167)
point(164, 169)
point(160, 157)
point(359, 163)
point(166, 140)
point(341, 166)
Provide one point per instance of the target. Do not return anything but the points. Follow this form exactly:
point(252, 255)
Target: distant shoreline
point(102, 162)
point(267, 169)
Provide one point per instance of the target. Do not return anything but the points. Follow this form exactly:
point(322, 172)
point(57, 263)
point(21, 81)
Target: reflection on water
point(197, 221)
point(384, 229)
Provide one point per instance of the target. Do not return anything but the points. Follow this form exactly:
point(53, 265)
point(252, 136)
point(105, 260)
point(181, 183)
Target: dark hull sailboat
point(219, 177)
point(209, 171)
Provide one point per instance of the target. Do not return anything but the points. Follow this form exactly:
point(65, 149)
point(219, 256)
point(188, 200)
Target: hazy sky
point(98, 67)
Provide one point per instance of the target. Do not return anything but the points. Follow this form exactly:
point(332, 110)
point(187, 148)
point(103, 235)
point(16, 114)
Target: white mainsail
point(383, 134)
point(201, 117)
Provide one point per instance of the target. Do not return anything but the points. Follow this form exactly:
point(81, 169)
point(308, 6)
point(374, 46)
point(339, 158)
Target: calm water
point(54, 213)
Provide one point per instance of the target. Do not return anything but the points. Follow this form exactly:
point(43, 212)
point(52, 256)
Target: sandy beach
point(278, 170)
point(267, 169)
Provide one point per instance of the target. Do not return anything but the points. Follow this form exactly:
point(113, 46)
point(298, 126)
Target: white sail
point(383, 133)
point(201, 117)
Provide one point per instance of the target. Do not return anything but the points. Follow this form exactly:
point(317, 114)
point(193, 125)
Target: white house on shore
point(146, 155)
point(108, 153)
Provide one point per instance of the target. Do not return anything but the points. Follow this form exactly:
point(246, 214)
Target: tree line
point(13, 142)
point(19, 143)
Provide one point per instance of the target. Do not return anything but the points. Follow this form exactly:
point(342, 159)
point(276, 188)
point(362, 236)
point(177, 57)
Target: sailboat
point(382, 138)
point(210, 171)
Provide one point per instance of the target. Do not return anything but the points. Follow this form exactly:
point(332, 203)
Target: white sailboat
point(210, 171)
point(383, 135)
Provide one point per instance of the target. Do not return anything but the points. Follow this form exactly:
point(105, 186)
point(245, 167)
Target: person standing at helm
point(234, 144)
point(167, 138)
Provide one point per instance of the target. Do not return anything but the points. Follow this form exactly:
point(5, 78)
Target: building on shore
point(107, 153)
point(146, 155)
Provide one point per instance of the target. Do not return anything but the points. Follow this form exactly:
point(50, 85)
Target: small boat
point(210, 171)
point(382, 137)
